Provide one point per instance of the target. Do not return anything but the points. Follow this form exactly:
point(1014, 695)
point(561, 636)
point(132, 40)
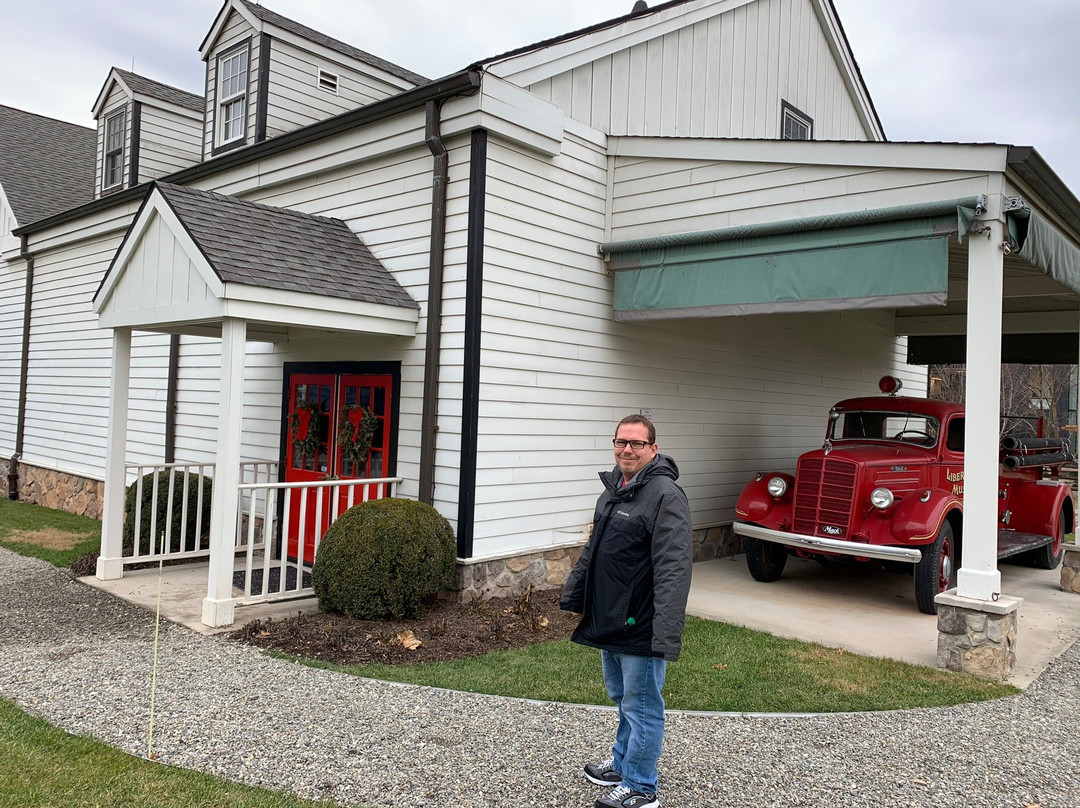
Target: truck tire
point(1048, 557)
point(765, 559)
point(935, 572)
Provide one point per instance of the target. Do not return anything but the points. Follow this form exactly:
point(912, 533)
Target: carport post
point(218, 605)
point(978, 578)
point(110, 563)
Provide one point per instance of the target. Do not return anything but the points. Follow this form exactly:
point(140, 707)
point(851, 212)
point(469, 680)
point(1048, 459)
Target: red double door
point(319, 403)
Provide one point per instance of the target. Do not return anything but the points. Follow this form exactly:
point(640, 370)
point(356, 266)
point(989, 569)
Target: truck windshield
point(908, 427)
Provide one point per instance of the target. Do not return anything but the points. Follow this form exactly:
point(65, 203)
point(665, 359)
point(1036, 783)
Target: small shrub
point(145, 538)
point(384, 558)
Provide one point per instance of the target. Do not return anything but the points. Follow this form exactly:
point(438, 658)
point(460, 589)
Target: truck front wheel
point(935, 572)
point(765, 559)
point(1049, 556)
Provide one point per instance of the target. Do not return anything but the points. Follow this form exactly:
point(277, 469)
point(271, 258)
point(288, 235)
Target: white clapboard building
point(690, 211)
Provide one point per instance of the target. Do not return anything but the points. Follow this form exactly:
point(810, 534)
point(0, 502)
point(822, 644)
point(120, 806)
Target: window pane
point(365, 396)
point(350, 396)
point(380, 401)
point(376, 464)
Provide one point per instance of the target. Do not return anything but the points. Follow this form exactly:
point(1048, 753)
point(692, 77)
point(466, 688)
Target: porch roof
point(192, 257)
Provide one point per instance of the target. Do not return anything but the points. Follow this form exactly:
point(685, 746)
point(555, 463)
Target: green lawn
point(46, 768)
point(54, 536)
point(722, 667)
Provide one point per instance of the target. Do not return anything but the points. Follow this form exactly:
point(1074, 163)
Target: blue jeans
point(634, 684)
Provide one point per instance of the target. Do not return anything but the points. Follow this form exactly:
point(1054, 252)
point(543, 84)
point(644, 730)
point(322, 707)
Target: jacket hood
point(660, 466)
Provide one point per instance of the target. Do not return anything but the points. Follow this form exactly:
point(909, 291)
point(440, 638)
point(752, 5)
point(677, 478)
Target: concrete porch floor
point(860, 610)
point(874, 613)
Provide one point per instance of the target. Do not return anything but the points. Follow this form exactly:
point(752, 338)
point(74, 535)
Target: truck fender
point(756, 504)
point(919, 515)
point(1036, 506)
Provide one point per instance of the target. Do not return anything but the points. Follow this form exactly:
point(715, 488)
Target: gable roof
point(275, 248)
point(263, 14)
point(134, 84)
point(46, 165)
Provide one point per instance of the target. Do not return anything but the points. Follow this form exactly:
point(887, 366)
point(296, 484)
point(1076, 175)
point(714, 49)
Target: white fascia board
point(219, 23)
point(507, 110)
point(284, 307)
point(112, 78)
point(542, 63)
point(988, 157)
point(164, 317)
point(845, 60)
point(156, 206)
point(168, 106)
point(333, 56)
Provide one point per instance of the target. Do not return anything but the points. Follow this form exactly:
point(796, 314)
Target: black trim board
point(474, 297)
point(262, 88)
point(1024, 349)
point(136, 136)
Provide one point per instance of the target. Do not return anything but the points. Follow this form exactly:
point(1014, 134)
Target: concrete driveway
point(872, 612)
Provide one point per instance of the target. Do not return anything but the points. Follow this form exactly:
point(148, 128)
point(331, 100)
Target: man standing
point(630, 586)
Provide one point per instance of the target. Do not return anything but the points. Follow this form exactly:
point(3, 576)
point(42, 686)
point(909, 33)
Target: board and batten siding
point(729, 396)
point(295, 97)
point(169, 141)
point(116, 100)
point(721, 77)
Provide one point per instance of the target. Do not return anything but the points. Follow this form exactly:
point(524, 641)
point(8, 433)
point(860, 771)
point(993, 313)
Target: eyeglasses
point(619, 443)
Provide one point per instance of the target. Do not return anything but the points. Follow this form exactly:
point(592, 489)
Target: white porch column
point(979, 577)
point(218, 605)
point(110, 563)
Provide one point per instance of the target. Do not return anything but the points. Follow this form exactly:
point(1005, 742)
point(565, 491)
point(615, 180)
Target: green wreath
point(304, 427)
point(356, 431)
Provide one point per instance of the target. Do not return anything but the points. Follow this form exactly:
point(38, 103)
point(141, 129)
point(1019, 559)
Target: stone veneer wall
point(1070, 569)
point(60, 490)
point(549, 569)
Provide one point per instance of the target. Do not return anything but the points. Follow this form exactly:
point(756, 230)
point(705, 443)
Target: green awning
point(884, 258)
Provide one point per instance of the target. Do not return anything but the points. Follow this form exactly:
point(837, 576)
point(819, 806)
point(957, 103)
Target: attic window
point(328, 81)
point(232, 95)
point(795, 125)
point(113, 173)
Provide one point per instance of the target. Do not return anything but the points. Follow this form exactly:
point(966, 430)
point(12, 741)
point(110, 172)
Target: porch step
point(1011, 543)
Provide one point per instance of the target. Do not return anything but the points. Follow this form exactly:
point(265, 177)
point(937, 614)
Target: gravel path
point(82, 660)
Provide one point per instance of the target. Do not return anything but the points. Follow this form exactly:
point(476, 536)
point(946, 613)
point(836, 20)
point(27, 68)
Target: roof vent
point(640, 7)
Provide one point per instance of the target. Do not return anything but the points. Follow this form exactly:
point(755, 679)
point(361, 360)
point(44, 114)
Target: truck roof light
point(889, 385)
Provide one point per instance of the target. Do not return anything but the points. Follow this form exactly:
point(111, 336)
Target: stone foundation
point(717, 542)
point(60, 490)
point(976, 636)
point(509, 577)
point(1070, 569)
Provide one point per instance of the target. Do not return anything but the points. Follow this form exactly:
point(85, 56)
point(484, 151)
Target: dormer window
point(232, 95)
point(113, 174)
point(795, 125)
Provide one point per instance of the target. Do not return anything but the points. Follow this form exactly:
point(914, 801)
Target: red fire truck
point(887, 487)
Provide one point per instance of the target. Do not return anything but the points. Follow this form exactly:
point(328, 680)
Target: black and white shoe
point(625, 797)
point(603, 773)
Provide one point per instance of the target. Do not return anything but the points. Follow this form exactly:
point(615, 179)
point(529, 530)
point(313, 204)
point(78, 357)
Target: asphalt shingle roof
point(46, 165)
point(164, 92)
point(266, 15)
point(275, 248)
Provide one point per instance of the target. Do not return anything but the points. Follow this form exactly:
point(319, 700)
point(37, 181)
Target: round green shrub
point(384, 558)
point(191, 541)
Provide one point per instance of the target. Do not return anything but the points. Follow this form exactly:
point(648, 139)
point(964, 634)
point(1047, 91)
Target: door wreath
point(304, 428)
point(356, 431)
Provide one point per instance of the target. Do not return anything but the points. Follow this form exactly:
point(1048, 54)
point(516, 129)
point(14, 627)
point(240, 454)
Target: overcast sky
point(1001, 71)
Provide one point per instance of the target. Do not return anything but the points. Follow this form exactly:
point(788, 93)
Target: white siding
point(721, 77)
point(662, 196)
point(295, 98)
point(115, 101)
point(169, 141)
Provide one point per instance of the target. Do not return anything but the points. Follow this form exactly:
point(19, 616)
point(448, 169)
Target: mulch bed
point(447, 631)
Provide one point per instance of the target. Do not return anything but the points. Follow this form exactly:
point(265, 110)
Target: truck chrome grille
point(824, 492)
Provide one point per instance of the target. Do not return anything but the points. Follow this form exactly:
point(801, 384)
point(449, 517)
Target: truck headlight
point(881, 498)
point(776, 486)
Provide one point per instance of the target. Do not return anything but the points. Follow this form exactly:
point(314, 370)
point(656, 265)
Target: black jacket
point(633, 578)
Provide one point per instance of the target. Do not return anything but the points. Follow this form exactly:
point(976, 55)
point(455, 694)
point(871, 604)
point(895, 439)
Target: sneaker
point(626, 797)
point(603, 773)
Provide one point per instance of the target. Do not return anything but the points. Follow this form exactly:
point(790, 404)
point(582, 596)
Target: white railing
point(158, 534)
point(306, 511)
